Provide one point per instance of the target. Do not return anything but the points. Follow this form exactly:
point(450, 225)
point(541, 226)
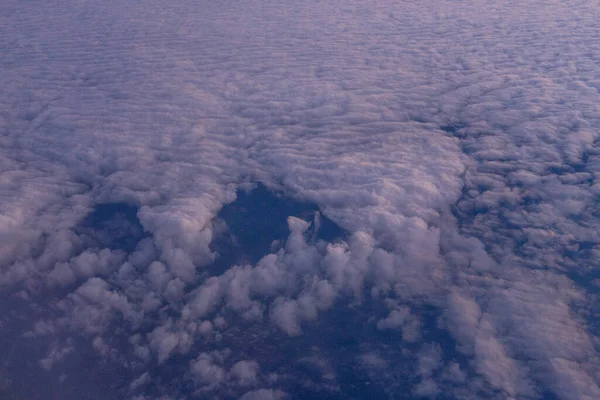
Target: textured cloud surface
point(299, 199)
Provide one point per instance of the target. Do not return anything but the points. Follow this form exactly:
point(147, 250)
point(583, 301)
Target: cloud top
point(440, 162)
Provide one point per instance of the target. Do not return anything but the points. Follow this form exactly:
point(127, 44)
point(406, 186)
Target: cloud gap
point(255, 224)
point(112, 225)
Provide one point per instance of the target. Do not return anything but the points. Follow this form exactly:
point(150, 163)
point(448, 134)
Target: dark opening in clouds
point(256, 224)
point(112, 225)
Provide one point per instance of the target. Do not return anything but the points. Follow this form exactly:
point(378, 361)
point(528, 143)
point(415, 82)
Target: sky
point(308, 199)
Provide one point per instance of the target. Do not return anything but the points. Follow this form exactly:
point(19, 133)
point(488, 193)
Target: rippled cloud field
point(252, 199)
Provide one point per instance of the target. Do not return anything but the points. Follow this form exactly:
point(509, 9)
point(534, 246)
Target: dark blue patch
point(452, 128)
point(23, 378)
point(112, 225)
point(258, 218)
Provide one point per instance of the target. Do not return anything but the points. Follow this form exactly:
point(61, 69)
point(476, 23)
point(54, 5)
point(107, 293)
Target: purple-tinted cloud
point(455, 144)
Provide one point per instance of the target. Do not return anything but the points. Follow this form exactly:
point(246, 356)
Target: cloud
point(373, 361)
point(402, 319)
point(207, 371)
point(142, 380)
point(245, 372)
point(456, 147)
point(57, 353)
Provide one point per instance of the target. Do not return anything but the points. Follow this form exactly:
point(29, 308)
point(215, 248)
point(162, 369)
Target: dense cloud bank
point(440, 166)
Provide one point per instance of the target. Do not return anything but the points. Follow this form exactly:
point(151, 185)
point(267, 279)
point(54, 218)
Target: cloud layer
point(454, 145)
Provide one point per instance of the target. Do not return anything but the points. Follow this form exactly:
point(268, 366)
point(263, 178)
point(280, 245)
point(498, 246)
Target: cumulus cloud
point(245, 372)
point(207, 371)
point(456, 147)
point(403, 320)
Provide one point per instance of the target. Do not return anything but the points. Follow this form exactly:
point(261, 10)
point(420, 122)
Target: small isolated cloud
point(139, 382)
point(57, 353)
point(403, 320)
point(245, 373)
point(373, 360)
